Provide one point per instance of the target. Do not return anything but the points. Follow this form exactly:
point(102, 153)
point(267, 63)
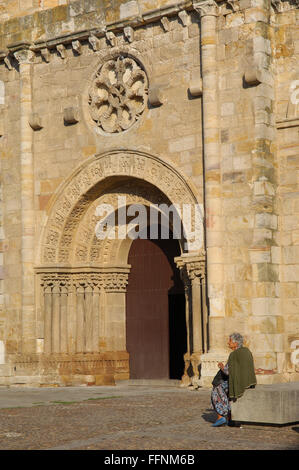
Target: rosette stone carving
point(118, 94)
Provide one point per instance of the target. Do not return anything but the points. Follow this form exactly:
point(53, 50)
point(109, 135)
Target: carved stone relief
point(118, 94)
point(92, 181)
point(70, 301)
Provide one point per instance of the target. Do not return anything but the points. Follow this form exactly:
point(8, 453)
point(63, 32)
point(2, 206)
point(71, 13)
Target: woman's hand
point(221, 365)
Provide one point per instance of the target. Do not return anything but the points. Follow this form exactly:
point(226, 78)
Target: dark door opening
point(155, 311)
point(177, 335)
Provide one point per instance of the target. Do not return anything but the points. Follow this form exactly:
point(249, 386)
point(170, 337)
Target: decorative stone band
point(128, 24)
point(73, 314)
point(109, 279)
point(71, 369)
point(107, 30)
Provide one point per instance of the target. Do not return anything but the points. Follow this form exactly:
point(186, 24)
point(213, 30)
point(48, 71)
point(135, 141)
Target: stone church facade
point(157, 102)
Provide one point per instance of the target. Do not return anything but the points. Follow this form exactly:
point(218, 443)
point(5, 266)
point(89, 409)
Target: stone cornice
point(52, 37)
point(66, 269)
point(99, 27)
point(287, 123)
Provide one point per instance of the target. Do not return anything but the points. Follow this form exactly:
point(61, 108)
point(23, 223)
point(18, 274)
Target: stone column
point(55, 331)
point(25, 58)
point(196, 273)
point(89, 318)
point(193, 267)
point(71, 316)
point(115, 285)
point(186, 379)
point(63, 318)
point(266, 322)
point(208, 11)
point(47, 307)
point(80, 327)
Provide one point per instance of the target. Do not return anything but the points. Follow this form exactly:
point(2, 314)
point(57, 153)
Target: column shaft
point(208, 11)
point(25, 59)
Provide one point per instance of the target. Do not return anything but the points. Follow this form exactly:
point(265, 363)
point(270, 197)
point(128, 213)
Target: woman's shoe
point(219, 422)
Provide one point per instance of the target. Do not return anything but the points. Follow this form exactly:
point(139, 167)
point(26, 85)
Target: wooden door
point(152, 278)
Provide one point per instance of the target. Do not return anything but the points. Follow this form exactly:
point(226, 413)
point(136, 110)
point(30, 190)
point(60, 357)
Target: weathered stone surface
point(191, 102)
point(273, 404)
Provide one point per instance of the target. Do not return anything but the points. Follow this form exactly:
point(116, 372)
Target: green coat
point(241, 372)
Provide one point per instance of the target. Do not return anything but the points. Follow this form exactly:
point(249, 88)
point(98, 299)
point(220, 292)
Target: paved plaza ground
point(126, 417)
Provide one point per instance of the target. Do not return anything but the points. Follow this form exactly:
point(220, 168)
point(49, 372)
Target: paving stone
point(127, 418)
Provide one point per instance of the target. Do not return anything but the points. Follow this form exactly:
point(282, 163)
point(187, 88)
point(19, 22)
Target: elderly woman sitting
point(232, 379)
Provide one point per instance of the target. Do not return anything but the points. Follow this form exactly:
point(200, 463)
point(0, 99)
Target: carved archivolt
point(92, 181)
point(118, 94)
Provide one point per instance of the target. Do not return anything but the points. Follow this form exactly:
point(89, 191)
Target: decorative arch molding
point(95, 178)
point(82, 281)
point(88, 248)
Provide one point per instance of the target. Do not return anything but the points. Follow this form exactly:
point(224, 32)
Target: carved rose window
point(117, 96)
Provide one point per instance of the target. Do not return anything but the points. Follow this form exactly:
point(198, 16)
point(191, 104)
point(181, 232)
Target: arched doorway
point(82, 280)
point(156, 335)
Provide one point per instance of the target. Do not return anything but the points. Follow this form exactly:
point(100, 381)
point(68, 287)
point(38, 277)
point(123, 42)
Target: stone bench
point(270, 404)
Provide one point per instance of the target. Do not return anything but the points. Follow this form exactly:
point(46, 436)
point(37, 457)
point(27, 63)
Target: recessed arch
point(82, 280)
point(99, 177)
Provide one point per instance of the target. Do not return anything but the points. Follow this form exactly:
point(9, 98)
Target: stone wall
point(286, 55)
point(12, 8)
point(217, 81)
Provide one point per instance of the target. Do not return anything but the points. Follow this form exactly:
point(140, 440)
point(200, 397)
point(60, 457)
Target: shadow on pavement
point(209, 417)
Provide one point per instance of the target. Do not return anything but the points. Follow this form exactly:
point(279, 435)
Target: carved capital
point(115, 282)
point(196, 270)
point(234, 4)
point(191, 267)
point(59, 282)
point(206, 8)
point(85, 281)
point(184, 275)
point(277, 5)
point(24, 56)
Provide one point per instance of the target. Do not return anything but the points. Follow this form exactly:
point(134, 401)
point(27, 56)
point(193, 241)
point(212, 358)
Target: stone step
point(270, 404)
